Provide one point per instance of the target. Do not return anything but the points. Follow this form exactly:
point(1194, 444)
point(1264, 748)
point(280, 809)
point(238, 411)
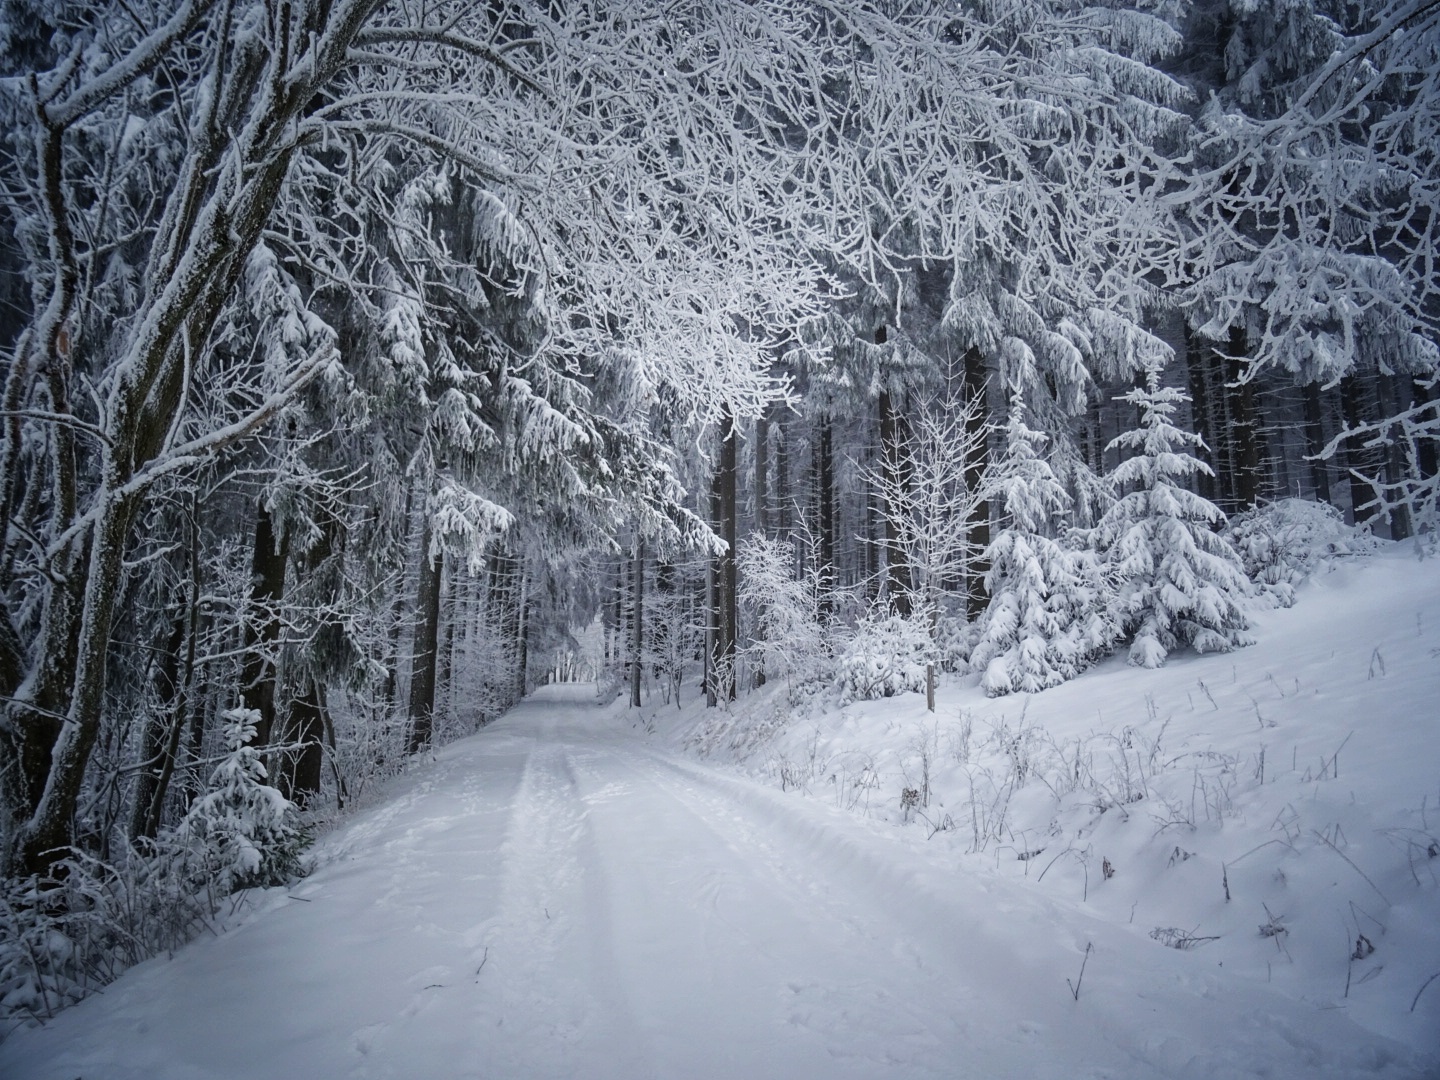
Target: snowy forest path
point(557, 897)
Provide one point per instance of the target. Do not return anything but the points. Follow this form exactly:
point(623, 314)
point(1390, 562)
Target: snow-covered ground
point(572, 893)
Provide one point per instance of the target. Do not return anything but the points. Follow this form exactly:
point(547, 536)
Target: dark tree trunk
point(762, 475)
point(762, 497)
point(977, 597)
point(783, 497)
point(154, 783)
point(894, 435)
point(1396, 395)
point(1244, 424)
point(50, 827)
point(206, 695)
point(1427, 457)
point(1216, 418)
point(342, 791)
point(522, 633)
point(1315, 442)
point(724, 614)
point(1360, 462)
point(637, 622)
point(161, 730)
point(1200, 414)
point(729, 578)
point(262, 624)
point(299, 777)
point(424, 655)
point(711, 637)
point(825, 515)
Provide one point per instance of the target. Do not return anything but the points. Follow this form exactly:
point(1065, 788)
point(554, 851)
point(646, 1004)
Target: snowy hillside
point(564, 895)
point(1274, 812)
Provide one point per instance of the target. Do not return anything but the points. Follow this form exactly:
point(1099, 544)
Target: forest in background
point(360, 354)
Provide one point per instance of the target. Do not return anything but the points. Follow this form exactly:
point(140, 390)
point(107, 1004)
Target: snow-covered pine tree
point(1047, 619)
point(1176, 581)
point(1314, 215)
point(245, 828)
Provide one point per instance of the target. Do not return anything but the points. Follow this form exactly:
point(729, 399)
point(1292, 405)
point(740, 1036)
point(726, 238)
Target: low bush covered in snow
point(1283, 543)
point(66, 935)
point(886, 655)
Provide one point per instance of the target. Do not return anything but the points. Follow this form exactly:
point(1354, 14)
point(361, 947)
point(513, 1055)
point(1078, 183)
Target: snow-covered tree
point(1047, 620)
point(927, 498)
point(1415, 432)
point(1177, 581)
point(928, 494)
point(1311, 215)
point(1315, 200)
point(246, 829)
point(782, 609)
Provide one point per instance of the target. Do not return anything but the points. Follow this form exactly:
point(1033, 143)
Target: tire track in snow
point(547, 995)
point(763, 979)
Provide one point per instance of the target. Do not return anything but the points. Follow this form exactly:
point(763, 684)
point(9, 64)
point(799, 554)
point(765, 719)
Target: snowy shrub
point(1282, 544)
point(63, 937)
point(886, 655)
point(955, 638)
point(1046, 619)
point(246, 828)
point(1177, 582)
point(42, 967)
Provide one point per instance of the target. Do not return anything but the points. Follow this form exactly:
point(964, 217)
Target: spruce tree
point(1177, 581)
point(1047, 618)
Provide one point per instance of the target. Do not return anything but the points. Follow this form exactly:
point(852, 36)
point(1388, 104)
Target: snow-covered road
point(555, 897)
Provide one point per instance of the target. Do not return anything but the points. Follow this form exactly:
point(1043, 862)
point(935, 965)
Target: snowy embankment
point(562, 895)
point(1271, 815)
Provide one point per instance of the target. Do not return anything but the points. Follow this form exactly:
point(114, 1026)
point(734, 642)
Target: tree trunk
point(977, 597)
point(424, 654)
point(262, 623)
point(712, 605)
point(637, 622)
point(1396, 395)
point(762, 500)
point(299, 777)
point(1244, 425)
point(161, 730)
point(1200, 416)
point(47, 833)
point(762, 475)
point(729, 579)
point(894, 434)
point(1315, 442)
point(724, 614)
point(522, 629)
point(1427, 458)
point(1359, 461)
point(782, 479)
point(825, 515)
point(1214, 426)
point(36, 724)
point(342, 791)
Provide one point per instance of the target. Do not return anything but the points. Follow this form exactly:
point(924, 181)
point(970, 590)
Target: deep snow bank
point(1274, 813)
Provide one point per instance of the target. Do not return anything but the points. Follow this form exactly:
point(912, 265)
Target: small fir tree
point(247, 829)
point(1177, 582)
point(1047, 617)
